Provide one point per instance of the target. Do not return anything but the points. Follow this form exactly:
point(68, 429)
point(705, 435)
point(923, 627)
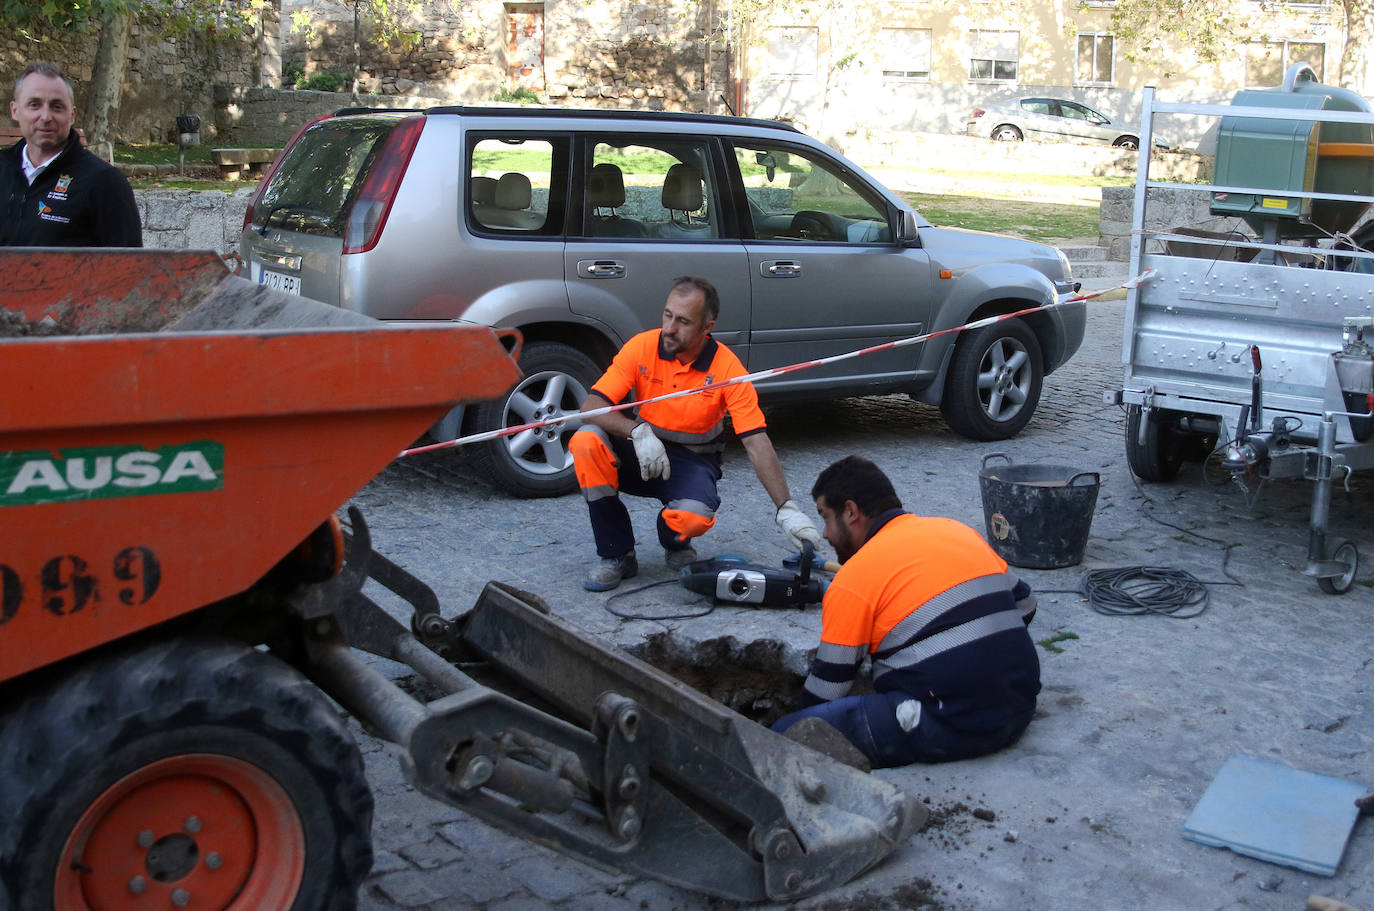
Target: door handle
point(780, 268)
point(601, 268)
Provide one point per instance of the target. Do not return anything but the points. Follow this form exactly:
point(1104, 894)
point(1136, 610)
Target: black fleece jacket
point(78, 200)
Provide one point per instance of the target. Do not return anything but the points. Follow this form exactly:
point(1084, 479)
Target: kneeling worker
point(954, 669)
point(672, 450)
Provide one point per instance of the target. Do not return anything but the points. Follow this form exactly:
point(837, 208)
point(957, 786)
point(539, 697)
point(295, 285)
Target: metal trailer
point(178, 596)
point(1253, 350)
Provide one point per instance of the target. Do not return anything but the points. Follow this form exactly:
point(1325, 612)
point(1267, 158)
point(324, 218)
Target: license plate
point(291, 284)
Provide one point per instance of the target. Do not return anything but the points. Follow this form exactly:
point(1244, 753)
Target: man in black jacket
point(54, 192)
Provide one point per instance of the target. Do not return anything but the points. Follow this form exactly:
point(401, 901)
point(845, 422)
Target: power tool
point(731, 580)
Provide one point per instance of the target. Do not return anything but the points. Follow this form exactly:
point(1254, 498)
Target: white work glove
point(653, 458)
point(797, 526)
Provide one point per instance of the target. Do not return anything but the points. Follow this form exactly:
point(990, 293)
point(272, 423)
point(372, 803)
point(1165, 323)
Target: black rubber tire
point(65, 743)
point(1159, 457)
point(988, 364)
point(1344, 552)
point(1006, 133)
point(1127, 142)
point(557, 379)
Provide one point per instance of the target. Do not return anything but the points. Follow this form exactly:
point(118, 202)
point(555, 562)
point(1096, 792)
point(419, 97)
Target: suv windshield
point(315, 182)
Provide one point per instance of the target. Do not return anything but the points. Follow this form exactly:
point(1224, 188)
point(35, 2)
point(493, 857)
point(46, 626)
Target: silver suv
point(569, 224)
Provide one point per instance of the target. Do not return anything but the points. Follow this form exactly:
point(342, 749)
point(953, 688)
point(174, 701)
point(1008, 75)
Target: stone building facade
point(163, 75)
point(650, 54)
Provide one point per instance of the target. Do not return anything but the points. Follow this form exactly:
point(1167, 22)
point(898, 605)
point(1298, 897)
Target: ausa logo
point(102, 472)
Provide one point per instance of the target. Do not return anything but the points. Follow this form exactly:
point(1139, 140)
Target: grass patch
point(1049, 644)
point(160, 153)
point(1038, 221)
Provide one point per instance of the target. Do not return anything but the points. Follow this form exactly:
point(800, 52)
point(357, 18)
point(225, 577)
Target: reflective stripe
point(945, 640)
point(831, 653)
point(935, 608)
point(599, 493)
point(690, 440)
point(696, 507)
point(826, 691)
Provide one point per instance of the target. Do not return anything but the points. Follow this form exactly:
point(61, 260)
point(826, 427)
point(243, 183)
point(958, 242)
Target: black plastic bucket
point(1038, 516)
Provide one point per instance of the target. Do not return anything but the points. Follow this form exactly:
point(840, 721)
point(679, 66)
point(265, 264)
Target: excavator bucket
point(572, 743)
point(732, 808)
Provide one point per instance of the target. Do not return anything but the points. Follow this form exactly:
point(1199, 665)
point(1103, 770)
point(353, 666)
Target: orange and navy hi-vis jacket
point(695, 421)
point(942, 618)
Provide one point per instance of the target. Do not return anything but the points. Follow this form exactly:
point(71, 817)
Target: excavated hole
point(751, 677)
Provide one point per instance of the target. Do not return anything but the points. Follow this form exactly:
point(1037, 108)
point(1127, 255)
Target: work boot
point(606, 574)
point(678, 557)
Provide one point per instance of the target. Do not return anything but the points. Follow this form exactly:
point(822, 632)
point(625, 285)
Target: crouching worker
point(672, 449)
point(954, 669)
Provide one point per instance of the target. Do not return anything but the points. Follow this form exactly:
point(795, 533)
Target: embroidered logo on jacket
point(46, 213)
point(63, 183)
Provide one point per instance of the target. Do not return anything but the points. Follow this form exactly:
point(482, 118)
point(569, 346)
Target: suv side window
point(645, 187)
point(515, 184)
point(797, 196)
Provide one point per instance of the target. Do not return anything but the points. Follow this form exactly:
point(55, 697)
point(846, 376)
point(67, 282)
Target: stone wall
point(270, 117)
point(163, 76)
point(1166, 208)
point(648, 54)
point(193, 219)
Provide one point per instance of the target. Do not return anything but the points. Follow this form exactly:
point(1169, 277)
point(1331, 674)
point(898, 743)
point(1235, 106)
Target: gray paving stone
point(430, 854)
point(410, 888)
point(552, 882)
point(481, 883)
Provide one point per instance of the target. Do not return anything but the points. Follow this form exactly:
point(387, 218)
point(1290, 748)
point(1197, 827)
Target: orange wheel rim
point(200, 830)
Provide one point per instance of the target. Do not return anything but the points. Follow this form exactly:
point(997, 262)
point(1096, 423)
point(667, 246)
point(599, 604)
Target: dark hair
point(856, 478)
point(706, 288)
point(42, 68)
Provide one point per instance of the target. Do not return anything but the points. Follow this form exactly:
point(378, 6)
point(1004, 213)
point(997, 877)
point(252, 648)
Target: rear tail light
point(978, 112)
point(368, 215)
point(271, 172)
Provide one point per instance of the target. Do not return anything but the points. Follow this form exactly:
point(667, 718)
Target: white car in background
point(1054, 119)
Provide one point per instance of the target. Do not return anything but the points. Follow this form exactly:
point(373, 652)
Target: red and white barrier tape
point(779, 371)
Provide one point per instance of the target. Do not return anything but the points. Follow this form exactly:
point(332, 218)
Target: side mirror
point(906, 226)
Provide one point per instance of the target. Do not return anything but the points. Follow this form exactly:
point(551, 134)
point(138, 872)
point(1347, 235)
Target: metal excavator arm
point(595, 754)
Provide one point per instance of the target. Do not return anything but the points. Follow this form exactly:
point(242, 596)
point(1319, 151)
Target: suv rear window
point(312, 188)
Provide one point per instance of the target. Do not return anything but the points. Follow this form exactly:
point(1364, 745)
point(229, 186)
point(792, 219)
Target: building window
point(1096, 59)
point(905, 53)
point(994, 56)
point(1267, 61)
point(792, 51)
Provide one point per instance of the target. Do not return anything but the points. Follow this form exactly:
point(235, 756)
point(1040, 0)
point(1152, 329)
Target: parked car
point(569, 225)
point(1052, 118)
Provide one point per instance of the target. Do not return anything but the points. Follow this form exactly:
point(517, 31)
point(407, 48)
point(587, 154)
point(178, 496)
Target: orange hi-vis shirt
point(939, 614)
point(695, 421)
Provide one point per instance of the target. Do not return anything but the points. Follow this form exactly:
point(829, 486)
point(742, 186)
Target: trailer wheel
point(1159, 456)
point(195, 773)
point(1346, 553)
point(994, 381)
point(536, 463)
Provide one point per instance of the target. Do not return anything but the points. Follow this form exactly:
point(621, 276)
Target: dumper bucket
point(168, 431)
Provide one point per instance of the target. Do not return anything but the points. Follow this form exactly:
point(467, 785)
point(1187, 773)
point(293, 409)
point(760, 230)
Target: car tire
point(1006, 133)
point(237, 771)
point(1130, 143)
point(994, 381)
point(536, 463)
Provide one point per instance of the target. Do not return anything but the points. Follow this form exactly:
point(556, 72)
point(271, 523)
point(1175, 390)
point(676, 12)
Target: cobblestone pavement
point(1137, 713)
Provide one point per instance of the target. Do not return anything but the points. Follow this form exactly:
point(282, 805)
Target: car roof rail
point(344, 112)
point(526, 110)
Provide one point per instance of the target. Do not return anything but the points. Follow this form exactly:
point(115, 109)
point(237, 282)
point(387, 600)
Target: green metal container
point(1296, 156)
